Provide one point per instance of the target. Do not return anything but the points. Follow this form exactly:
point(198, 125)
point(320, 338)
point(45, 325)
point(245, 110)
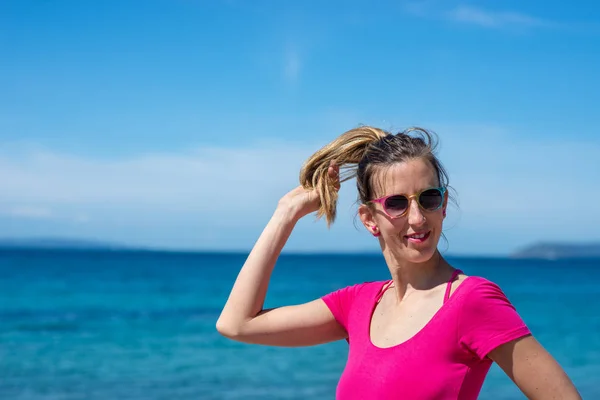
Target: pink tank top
point(445, 360)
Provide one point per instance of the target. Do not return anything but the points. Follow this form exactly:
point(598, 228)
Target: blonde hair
point(359, 153)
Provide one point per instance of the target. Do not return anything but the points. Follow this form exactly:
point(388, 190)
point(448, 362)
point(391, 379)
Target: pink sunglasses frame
point(415, 196)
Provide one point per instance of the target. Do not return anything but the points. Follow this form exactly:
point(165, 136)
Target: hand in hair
point(301, 202)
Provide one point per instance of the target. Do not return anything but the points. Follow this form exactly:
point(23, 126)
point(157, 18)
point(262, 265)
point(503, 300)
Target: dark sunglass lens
point(396, 205)
point(431, 199)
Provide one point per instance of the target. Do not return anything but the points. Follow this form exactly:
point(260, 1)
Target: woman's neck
point(409, 277)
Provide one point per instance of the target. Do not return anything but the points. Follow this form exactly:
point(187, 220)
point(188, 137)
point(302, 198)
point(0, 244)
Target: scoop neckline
point(419, 332)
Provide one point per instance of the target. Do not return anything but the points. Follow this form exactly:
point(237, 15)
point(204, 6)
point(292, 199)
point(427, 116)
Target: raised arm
point(243, 318)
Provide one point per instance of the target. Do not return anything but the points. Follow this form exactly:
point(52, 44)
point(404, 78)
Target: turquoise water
point(126, 325)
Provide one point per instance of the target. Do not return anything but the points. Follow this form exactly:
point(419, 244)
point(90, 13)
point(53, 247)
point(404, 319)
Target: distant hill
point(552, 251)
point(58, 243)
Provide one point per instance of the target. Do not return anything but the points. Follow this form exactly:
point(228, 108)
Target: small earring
point(375, 232)
point(444, 213)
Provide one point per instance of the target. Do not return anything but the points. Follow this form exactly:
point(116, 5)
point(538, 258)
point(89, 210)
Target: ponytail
point(346, 152)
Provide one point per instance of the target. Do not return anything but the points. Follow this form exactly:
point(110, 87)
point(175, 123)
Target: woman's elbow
point(227, 329)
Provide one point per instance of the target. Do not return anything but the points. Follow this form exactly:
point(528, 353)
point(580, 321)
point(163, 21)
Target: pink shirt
point(444, 360)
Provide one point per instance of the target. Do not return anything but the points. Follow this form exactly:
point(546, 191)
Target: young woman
point(429, 332)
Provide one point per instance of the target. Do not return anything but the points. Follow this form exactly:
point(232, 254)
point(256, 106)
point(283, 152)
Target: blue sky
point(179, 124)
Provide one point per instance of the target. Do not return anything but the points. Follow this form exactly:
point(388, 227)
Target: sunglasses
point(396, 205)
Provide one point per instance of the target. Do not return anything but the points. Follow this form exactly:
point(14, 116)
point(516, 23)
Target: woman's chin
point(420, 255)
point(414, 251)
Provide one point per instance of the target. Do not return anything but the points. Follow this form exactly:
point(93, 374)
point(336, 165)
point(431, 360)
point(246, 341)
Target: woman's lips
point(418, 238)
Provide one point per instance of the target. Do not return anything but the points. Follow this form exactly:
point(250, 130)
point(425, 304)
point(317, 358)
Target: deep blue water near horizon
point(141, 325)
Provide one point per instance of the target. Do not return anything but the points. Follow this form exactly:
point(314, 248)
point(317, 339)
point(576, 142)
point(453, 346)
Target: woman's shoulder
point(477, 280)
point(357, 296)
point(485, 316)
point(477, 286)
point(366, 288)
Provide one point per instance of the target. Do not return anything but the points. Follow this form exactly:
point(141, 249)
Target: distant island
point(555, 250)
point(58, 243)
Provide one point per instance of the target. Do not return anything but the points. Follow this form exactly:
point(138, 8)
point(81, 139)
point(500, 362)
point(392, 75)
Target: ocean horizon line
point(244, 253)
point(201, 251)
point(536, 250)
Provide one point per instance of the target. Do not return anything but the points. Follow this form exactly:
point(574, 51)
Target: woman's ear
point(445, 205)
point(366, 217)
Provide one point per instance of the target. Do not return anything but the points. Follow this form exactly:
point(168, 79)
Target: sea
point(141, 325)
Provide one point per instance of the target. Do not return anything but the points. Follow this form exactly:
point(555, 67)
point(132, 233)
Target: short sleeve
point(488, 320)
point(340, 303)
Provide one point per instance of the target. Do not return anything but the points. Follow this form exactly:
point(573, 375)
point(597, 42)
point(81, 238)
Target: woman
point(429, 332)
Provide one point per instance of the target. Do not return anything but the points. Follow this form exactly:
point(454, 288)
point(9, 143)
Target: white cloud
point(494, 19)
point(517, 189)
point(206, 179)
point(29, 212)
point(476, 15)
point(512, 190)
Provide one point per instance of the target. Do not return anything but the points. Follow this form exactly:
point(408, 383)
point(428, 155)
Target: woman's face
point(414, 236)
